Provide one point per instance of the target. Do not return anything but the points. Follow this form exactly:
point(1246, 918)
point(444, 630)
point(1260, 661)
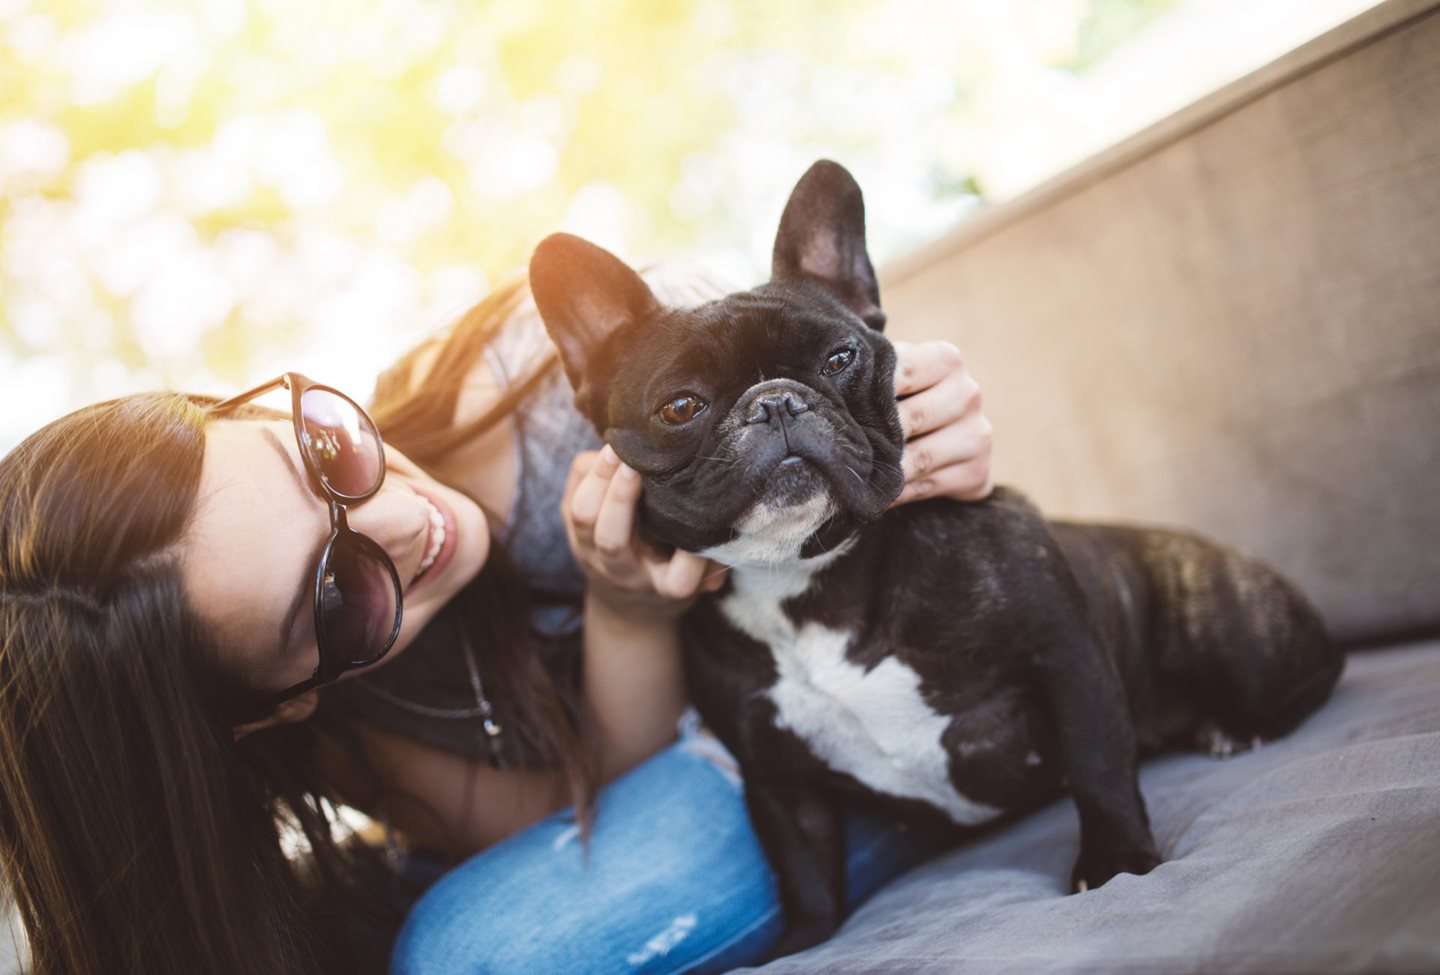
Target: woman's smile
point(437, 538)
point(440, 541)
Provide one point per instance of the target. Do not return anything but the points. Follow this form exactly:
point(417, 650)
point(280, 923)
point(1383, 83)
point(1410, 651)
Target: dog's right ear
point(585, 295)
point(822, 238)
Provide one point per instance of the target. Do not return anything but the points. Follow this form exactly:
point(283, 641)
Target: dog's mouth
point(796, 492)
point(792, 481)
point(841, 473)
point(793, 503)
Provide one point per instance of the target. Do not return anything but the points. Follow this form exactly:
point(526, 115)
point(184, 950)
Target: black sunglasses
point(357, 590)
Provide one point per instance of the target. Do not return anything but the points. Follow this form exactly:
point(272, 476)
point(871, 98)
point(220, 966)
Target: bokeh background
point(203, 194)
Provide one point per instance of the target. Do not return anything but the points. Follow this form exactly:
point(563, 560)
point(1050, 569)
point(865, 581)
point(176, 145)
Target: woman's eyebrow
point(289, 461)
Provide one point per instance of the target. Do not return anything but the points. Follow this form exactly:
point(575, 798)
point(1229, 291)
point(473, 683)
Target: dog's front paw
point(1094, 868)
point(1220, 744)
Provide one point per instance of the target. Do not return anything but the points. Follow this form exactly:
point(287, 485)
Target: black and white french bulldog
point(971, 659)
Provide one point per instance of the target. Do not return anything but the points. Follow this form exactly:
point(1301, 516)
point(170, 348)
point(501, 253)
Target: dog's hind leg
point(1245, 652)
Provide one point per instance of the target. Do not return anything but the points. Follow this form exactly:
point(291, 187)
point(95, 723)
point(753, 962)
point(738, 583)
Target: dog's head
point(764, 423)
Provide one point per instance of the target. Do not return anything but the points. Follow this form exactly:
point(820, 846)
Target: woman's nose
point(395, 519)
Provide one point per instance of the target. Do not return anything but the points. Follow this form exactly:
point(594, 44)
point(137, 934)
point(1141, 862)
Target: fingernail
point(607, 454)
point(627, 472)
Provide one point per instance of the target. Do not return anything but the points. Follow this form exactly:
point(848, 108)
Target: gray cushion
point(1318, 853)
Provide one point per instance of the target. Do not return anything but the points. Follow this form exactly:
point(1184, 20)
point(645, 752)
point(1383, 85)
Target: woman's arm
point(634, 685)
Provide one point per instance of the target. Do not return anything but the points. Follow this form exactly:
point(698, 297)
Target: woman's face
point(251, 551)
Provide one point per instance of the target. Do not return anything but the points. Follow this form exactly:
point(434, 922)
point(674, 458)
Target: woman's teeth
point(437, 537)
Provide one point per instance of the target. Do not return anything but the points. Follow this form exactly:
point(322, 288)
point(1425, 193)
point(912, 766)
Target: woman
point(204, 654)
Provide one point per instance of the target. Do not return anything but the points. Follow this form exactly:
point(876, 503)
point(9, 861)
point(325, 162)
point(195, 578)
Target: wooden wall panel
point(1232, 322)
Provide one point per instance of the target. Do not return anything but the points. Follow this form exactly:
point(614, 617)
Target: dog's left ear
point(822, 238)
point(585, 295)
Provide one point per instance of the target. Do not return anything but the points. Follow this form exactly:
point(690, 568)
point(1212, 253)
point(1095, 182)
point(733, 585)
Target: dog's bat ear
point(822, 238)
point(585, 295)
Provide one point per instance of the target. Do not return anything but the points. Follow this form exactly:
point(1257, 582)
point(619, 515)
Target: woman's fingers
point(953, 397)
point(920, 365)
point(615, 521)
point(677, 577)
point(948, 438)
point(964, 442)
point(953, 462)
point(600, 517)
point(684, 574)
point(587, 495)
point(600, 501)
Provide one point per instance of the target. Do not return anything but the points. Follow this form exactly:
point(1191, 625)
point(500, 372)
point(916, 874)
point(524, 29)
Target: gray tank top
point(548, 434)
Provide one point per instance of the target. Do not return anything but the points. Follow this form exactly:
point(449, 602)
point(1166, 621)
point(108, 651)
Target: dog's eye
point(838, 360)
point(682, 409)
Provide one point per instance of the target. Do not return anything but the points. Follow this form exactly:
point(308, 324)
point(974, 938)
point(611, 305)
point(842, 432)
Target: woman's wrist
point(634, 682)
point(617, 610)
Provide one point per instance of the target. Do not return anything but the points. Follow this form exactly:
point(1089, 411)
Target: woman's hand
point(947, 437)
point(633, 679)
point(623, 572)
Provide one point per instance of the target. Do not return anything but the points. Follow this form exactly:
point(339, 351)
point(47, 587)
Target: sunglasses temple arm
point(289, 694)
point(251, 393)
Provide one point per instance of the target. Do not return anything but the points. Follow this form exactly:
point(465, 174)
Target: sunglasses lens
point(342, 441)
point(359, 603)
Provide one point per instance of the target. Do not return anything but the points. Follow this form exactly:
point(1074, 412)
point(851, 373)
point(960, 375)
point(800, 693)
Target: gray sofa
point(1230, 322)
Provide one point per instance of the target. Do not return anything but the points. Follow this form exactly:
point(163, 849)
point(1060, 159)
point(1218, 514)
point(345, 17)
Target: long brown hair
point(418, 418)
point(419, 421)
point(135, 834)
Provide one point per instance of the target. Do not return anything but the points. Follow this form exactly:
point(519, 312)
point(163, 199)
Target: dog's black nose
point(765, 408)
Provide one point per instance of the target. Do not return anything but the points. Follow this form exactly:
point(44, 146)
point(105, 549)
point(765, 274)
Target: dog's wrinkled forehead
point(611, 330)
point(751, 335)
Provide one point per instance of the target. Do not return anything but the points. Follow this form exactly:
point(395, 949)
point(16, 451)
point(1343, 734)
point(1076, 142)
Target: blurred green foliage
point(193, 193)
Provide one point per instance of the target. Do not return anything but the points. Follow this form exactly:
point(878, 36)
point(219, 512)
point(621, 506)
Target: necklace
point(491, 731)
point(483, 708)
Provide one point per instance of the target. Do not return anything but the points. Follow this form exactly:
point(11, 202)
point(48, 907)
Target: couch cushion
point(1317, 853)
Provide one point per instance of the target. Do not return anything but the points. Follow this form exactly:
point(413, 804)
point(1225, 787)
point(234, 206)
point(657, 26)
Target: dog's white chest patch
point(872, 725)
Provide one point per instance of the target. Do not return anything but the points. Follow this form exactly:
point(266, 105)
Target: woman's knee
point(437, 940)
point(440, 940)
point(672, 876)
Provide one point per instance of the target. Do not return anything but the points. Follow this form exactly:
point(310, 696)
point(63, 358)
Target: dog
point(965, 660)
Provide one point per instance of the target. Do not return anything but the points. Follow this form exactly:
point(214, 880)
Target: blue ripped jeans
point(675, 882)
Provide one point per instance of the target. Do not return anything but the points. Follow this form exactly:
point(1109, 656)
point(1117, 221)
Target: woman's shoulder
point(516, 348)
point(520, 345)
point(483, 465)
